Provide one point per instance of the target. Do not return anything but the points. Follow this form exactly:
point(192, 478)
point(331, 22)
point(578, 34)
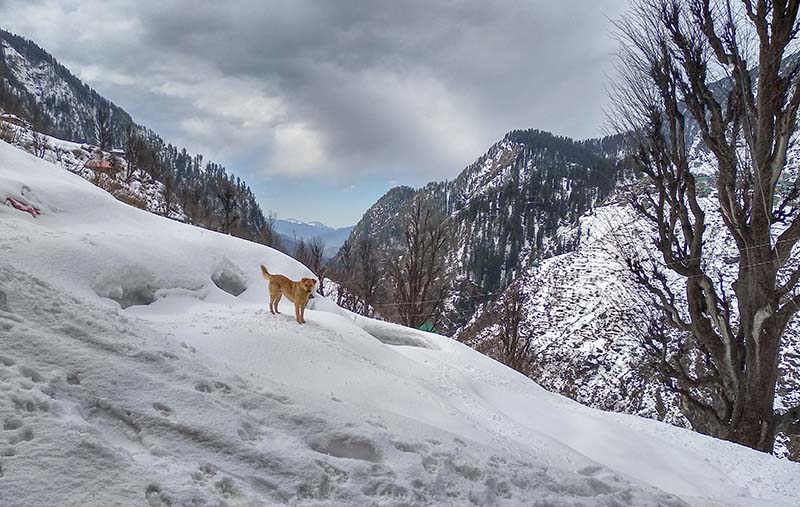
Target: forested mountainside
point(37, 88)
point(501, 211)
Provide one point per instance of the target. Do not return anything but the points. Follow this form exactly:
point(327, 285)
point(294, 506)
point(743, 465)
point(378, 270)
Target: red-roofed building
point(100, 165)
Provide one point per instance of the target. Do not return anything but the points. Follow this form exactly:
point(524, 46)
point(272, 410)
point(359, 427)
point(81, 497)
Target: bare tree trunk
point(103, 127)
point(416, 273)
point(516, 343)
point(368, 276)
point(670, 48)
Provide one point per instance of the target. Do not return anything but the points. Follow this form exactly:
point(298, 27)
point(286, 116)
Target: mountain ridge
point(39, 89)
point(502, 210)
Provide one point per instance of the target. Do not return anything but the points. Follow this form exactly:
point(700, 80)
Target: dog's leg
point(277, 300)
point(303, 312)
point(297, 313)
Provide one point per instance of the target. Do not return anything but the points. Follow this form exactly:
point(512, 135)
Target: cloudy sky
point(321, 106)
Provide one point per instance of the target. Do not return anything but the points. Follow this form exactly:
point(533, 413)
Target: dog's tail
point(265, 273)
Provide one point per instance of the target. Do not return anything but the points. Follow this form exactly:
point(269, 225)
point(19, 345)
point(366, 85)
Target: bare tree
point(417, 273)
point(368, 276)
point(723, 358)
point(316, 257)
point(135, 147)
point(168, 192)
point(312, 255)
point(39, 144)
point(228, 199)
point(344, 275)
point(515, 341)
point(7, 132)
point(103, 127)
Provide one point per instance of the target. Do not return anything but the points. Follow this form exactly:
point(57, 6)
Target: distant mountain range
point(293, 230)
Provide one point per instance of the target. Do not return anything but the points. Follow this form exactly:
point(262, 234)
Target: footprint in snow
point(204, 473)
point(162, 409)
point(11, 424)
point(211, 386)
point(30, 373)
point(24, 434)
point(155, 497)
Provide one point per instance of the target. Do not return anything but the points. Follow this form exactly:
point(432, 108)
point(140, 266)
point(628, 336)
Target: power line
point(436, 300)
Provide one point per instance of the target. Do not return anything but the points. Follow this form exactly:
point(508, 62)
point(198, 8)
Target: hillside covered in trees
point(37, 88)
point(501, 212)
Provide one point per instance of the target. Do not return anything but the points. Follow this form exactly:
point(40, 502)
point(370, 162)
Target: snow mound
point(198, 397)
point(229, 277)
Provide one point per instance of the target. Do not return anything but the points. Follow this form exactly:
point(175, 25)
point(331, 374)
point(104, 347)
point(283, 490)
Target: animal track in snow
point(24, 434)
point(386, 489)
point(30, 373)
point(339, 476)
point(188, 347)
point(11, 424)
point(162, 409)
point(155, 497)
point(227, 488)
point(204, 473)
point(211, 386)
point(30, 404)
point(283, 400)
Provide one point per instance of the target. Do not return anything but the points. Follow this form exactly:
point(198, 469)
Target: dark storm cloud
point(412, 89)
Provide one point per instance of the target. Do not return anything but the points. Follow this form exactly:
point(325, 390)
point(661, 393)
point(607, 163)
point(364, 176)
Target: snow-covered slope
point(190, 395)
point(587, 316)
point(139, 189)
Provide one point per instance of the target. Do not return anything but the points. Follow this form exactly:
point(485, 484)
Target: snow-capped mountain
point(333, 237)
point(503, 210)
point(57, 102)
point(139, 366)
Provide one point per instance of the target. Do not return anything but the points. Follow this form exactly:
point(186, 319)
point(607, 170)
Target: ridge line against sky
point(336, 101)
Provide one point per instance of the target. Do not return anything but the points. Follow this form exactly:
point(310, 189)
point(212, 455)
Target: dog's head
point(308, 284)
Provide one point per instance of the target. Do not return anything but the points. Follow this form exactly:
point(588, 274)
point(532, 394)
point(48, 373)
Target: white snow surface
point(190, 395)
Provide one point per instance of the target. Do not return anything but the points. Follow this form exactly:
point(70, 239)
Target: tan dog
point(297, 292)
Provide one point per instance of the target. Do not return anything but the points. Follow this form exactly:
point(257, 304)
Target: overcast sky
point(322, 106)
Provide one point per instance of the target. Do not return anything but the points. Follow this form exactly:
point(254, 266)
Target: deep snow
point(190, 395)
